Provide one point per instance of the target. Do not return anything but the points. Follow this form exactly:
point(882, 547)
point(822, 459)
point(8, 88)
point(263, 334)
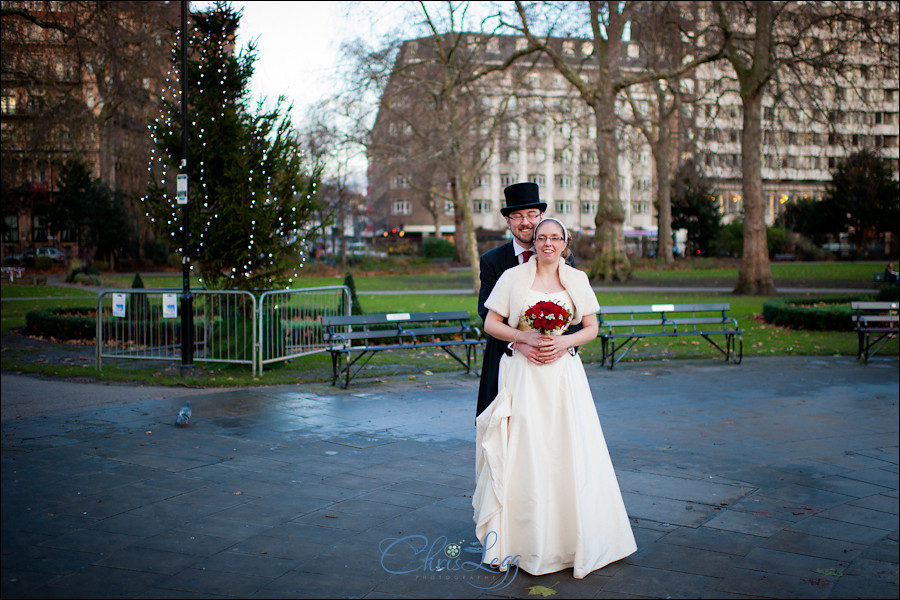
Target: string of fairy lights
point(166, 125)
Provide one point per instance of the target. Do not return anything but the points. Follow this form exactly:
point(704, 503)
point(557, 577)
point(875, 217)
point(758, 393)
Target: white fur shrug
point(508, 295)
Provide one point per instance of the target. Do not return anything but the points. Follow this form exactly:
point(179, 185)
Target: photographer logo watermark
point(443, 560)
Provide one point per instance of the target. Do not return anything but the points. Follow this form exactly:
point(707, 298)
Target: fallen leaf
point(832, 572)
point(540, 590)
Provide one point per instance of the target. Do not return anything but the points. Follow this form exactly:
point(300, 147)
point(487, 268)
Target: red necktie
point(526, 255)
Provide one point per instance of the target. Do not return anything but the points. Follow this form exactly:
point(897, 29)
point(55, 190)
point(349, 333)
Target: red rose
point(547, 316)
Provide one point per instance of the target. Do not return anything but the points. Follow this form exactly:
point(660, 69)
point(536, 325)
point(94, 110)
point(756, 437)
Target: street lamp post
point(187, 309)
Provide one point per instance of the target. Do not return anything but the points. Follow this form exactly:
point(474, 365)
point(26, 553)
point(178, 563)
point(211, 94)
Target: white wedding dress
point(546, 491)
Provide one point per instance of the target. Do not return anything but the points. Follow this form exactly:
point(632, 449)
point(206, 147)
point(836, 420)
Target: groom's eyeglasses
point(519, 217)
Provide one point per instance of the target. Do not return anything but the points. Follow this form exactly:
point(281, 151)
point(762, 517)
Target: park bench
point(13, 273)
point(356, 338)
point(622, 326)
point(876, 323)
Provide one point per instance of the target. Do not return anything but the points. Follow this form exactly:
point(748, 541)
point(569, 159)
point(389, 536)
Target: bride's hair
point(566, 253)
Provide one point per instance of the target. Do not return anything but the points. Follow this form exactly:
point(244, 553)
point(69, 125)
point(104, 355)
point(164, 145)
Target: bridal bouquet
point(547, 317)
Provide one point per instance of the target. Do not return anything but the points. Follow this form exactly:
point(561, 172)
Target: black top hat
point(522, 196)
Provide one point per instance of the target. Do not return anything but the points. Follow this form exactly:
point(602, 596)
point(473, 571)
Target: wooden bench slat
point(876, 322)
point(667, 320)
point(364, 335)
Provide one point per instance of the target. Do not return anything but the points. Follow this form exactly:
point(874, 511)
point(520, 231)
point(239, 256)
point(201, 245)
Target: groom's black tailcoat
point(493, 264)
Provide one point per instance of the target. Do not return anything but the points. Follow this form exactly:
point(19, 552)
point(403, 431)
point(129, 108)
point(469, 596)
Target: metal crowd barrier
point(290, 321)
point(228, 325)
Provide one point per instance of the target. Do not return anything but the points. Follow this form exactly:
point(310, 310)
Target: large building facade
point(547, 135)
point(80, 80)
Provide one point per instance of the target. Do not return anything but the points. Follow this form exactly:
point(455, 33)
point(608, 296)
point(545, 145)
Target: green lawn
point(760, 339)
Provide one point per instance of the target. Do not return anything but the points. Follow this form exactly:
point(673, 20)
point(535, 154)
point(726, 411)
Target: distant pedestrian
point(890, 275)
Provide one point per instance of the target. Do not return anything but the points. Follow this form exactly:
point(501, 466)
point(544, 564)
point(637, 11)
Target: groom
point(523, 211)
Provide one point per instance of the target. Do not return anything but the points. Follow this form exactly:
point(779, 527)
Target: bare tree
point(88, 75)
point(440, 109)
point(331, 145)
point(598, 80)
point(790, 51)
point(665, 32)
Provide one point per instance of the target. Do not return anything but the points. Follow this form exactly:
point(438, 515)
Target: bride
point(546, 492)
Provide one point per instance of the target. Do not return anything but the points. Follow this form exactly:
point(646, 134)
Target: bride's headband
point(558, 222)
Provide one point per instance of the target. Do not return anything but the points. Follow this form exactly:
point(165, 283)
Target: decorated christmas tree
point(251, 191)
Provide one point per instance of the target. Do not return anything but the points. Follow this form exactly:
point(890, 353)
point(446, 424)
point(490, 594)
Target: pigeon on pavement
point(184, 415)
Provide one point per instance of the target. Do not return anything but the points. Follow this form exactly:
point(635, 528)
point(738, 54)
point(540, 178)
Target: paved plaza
point(777, 478)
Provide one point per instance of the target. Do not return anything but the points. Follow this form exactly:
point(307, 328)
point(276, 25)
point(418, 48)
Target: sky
point(298, 45)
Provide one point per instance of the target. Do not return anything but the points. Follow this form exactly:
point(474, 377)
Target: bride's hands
point(551, 348)
point(528, 343)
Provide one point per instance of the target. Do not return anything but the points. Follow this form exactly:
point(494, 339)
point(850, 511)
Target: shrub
point(818, 314)
point(62, 323)
point(230, 339)
point(437, 247)
point(889, 293)
point(43, 263)
point(355, 308)
point(75, 272)
point(87, 279)
point(138, 306)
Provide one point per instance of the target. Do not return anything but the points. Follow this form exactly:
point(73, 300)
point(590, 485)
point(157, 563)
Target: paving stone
point(839, 530)
point(149, 560)
point(292, 491)
point(800, 543)
point(761, 584)
point(756, 523)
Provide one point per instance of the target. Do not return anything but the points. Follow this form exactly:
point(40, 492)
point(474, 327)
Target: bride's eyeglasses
point(543, 239)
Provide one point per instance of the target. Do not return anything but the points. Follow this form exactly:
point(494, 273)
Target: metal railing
point(290, 321)
point(228, 325)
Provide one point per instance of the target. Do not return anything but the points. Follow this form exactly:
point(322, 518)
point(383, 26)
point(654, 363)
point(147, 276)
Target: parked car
point(28, 257)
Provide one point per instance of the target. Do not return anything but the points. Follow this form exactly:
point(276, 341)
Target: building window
point(401, 207)
point(589, 207)
point(563, 208)
point(563, 156)
point(589, 182)
point(536, 155)
point(11, 228)
point(537, 178)
point(640, 207)
point(8, 102)
point(507, 179)
point(39, 229)
point(481, 206)
point(448, 207)
point(564, 181)
point(509, 156)
point(399, 182)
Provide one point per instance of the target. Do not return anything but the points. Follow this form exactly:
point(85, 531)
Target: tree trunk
point(663, 158)
point(611, 262)
point(755, 276)
point(473, 257)
point(461, 254)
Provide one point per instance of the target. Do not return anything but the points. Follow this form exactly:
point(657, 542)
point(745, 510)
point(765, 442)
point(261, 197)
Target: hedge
point(63, 323)
point(815, 313)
